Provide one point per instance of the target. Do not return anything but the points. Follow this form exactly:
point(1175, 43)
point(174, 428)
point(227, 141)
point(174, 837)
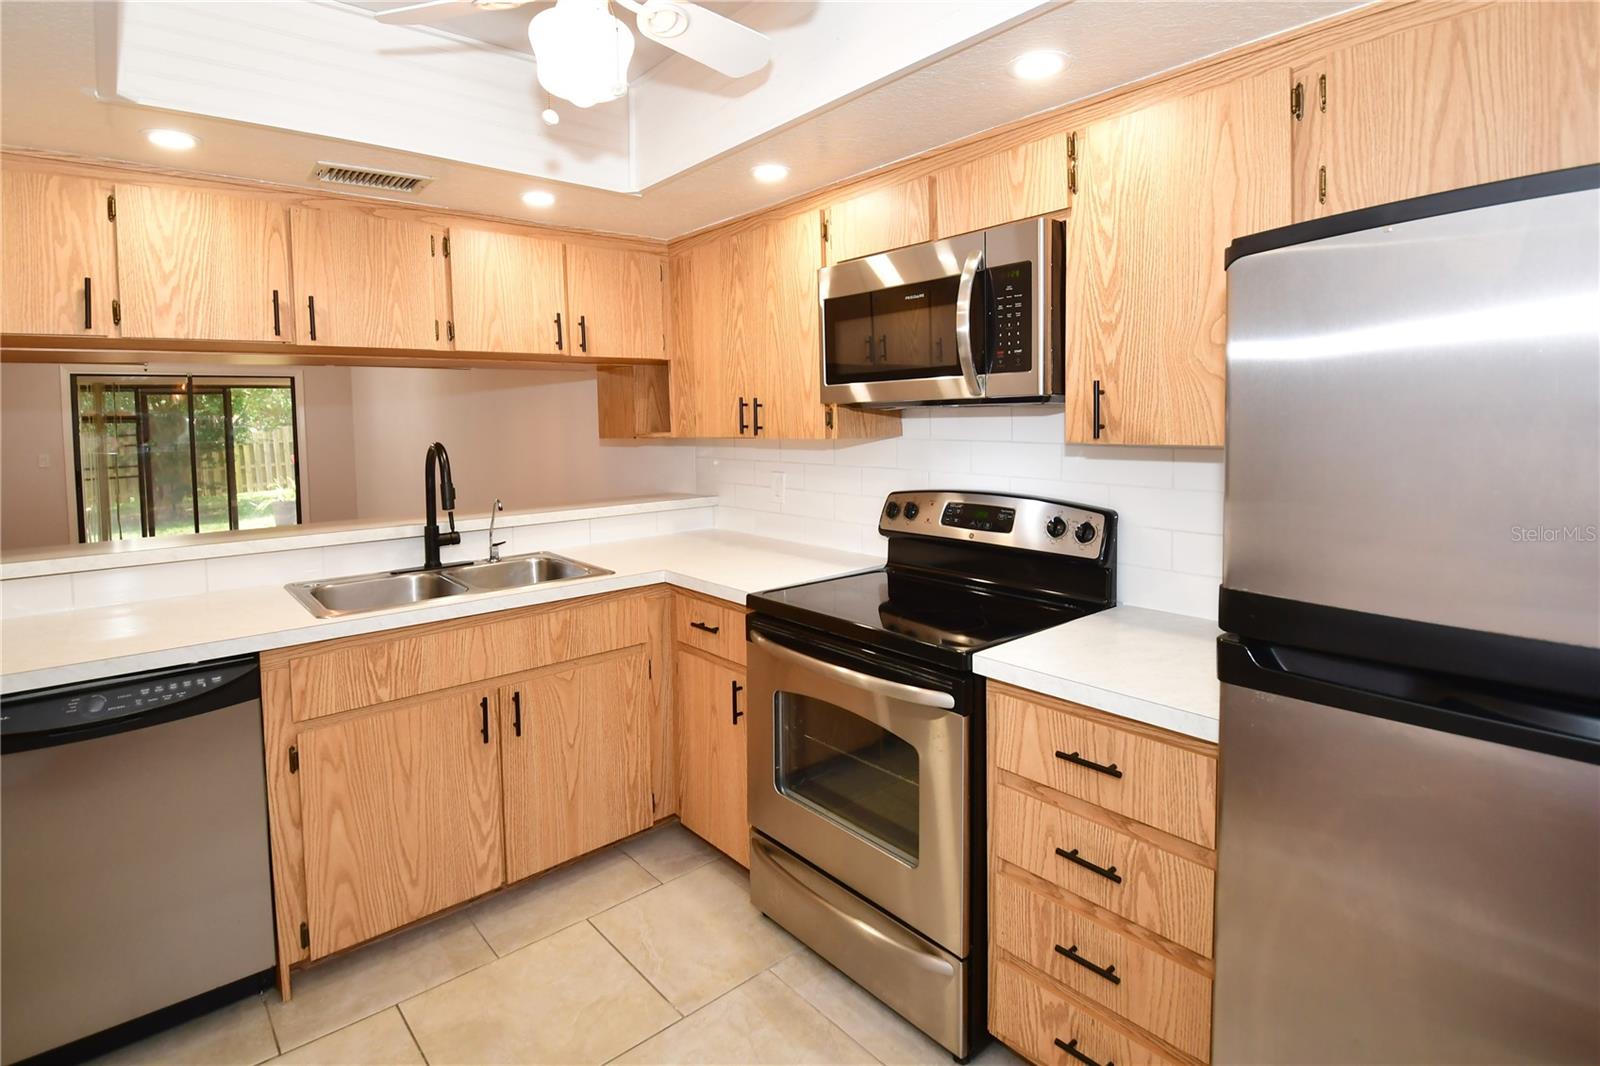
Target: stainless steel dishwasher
point(135, 889)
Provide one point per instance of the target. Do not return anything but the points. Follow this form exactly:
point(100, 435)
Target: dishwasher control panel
point(81, 705)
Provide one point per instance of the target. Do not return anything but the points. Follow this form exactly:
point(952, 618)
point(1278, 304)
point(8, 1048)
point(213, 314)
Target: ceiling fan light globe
point(582, 52)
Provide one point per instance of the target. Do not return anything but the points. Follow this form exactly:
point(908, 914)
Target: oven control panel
point(1023, 522)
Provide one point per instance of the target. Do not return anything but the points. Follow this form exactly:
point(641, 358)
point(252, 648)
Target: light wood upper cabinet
point(202, 265)
point(576, 762)
point(1501, 91)
point(790, 345)
point(508, 294)
point(57, 254)
point(1161, 192)
point(876, 221)
point(617, 300)
point(1009, 183)
point(709, 701)
point(401, 814)
point(705, 394)
point(365, 281)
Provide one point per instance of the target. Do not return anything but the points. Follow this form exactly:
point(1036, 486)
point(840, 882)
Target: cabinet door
point(876, 221)
point(576, 759)
point(1018, 182)
point(1161, 193)
point(507, 294)
point(199, 265)
point(1498, 92)
point(616, 297)
point(709, 699)
point(400, 815)
point(57, 255)
point(364, 281)
point(710, 349)
point(788, 378)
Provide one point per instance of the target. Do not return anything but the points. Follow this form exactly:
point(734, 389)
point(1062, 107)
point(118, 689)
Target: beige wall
point(35, 510)
point(529, 437)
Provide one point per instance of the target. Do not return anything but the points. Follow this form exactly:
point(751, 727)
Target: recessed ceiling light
point(538, 198)
point(176, 140)
point(551, 116)
point(769, 172)
point(1034, 66)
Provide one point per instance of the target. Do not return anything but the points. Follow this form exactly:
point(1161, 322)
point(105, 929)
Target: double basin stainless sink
point(402, 588)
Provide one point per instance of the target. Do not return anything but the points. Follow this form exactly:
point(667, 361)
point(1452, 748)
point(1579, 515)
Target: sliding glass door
point(158, 456)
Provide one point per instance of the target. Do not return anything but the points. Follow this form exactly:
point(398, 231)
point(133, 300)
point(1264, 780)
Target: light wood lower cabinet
point(401, 809)
point(709, 701)
point(575, 757)
point(1100, 918)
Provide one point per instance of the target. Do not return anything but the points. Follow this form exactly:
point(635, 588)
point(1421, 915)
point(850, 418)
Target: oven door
point(865, 774)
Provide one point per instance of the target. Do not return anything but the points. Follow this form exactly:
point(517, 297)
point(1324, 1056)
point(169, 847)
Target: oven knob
point(912, 510)
point(892, 511)
point(1084, 533)
point(1055, 527)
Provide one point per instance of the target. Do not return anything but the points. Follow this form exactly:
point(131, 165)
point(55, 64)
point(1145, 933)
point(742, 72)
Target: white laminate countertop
point(1150, 666)
point(43, 650)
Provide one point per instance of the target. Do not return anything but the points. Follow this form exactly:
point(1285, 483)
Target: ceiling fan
point(582, 50)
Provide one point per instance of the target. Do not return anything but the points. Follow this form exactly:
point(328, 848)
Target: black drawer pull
point(311, 312)
point(743, 424)
point(1071, 1048)
point(277, 316)
point(88, 303)
point(516, 713)
point(713, 630)
point(484, 703)
point(1099, 426)
point(755, 418)
point(1107, 872)
point(733, 699)
point(583, 334)
point(1108, 972)
point(1078, 760)
point(558, 331)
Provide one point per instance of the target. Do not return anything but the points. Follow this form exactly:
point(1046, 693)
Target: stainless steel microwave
point(974, 318)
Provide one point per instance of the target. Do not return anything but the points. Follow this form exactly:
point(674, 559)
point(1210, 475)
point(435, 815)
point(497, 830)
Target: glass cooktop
point(917, 615)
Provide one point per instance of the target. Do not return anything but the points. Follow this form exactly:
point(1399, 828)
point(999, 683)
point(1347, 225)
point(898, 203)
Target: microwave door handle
point(969, 368)
point(879, 686)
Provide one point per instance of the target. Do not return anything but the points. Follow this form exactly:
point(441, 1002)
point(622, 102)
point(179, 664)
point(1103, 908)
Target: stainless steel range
point(867, 738)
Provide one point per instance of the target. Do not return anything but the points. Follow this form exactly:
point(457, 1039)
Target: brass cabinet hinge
point(433, 248)
point(827, 220)
point(449, 331)
point(1072, 163)
point(436, 329)
point(447, 246)
point(1322, 184)
point(1322, 93)
point(1297, 101)
point(1072, 146)
point(827, 418)
point(111, 207)
point(294, 759)
point(305, 935)
point(116, 312)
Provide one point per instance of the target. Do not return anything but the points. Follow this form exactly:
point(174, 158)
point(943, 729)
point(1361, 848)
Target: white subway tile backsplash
point(339, 560)
point(132, 584)
point(622, 527)
point(551, 537)
point(254, 571)
point(686, 521)
point(35, 595)
point(1170, 501)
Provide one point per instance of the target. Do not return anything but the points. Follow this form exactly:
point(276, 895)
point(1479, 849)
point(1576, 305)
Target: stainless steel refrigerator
point(1409, 851)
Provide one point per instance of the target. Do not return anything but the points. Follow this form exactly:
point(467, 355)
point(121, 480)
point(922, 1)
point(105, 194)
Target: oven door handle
point(893, 690)
point(969, 367)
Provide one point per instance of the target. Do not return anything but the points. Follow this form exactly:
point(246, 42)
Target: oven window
point(849, 770)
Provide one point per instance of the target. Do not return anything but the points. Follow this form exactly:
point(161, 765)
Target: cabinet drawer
point(1149, 989)
point(715, 627)
point(1150, 886)
point(1032, 1018)
point(1128, 770)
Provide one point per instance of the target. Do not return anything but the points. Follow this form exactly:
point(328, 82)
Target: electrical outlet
point(780, 482)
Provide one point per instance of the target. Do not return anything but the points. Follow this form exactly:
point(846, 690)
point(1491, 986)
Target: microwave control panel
point(1011, 322)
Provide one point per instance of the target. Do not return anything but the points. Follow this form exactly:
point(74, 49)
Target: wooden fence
point(263, 464)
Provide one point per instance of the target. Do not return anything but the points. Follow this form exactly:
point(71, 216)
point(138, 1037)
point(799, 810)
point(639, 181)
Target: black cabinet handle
point(277, 316)
point(484, 703)
point(1071, 1048)
point(1108, 972)
point(1078, 760)
point(733, 698)
point(755, 425)
point(88, 303)
point(713, 630)
point(583, 334)
point(1099, 426)
point(558, 331)
point(311, 307)
point(742, 424)
point(1107, 872)
point(516, 713)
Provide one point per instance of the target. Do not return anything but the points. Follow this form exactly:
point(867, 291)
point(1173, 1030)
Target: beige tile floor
point(648, 952)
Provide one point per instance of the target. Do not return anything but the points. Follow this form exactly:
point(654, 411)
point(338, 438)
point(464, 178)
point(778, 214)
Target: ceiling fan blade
point(426, 13)
point(720, 43)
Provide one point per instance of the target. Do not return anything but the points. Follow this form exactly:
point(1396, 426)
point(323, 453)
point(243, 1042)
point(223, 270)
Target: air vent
point(366, 178)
